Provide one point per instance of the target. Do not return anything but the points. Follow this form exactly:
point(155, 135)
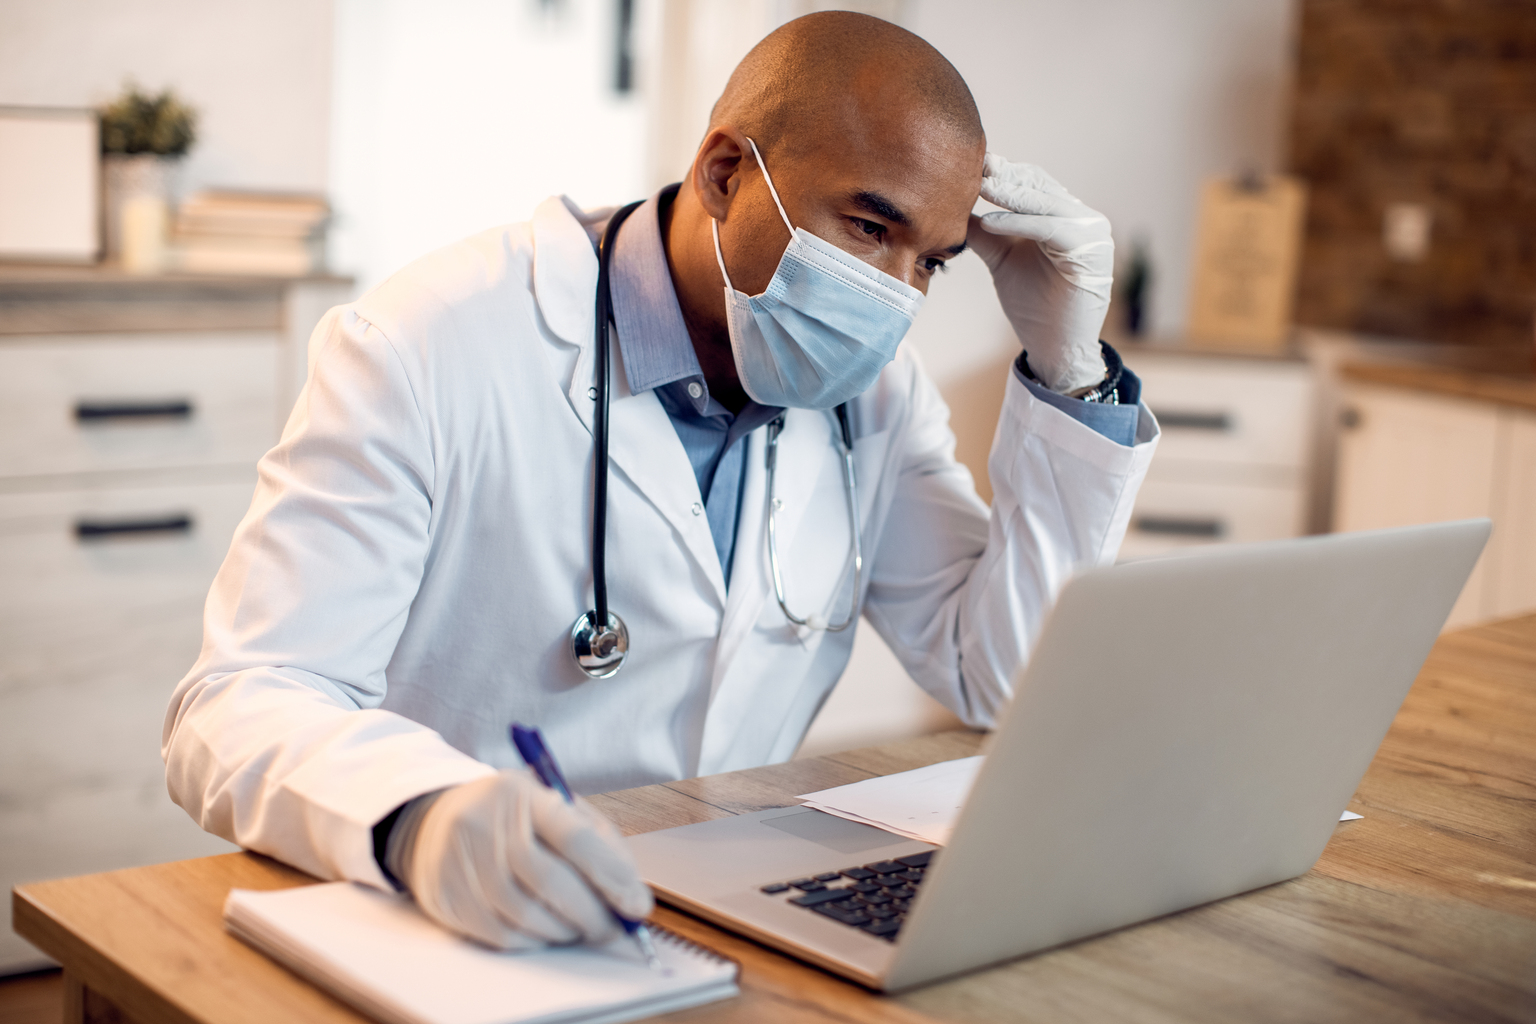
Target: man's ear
point(717, 170)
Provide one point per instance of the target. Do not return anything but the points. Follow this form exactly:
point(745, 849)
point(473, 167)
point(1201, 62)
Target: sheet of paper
point(920, 804)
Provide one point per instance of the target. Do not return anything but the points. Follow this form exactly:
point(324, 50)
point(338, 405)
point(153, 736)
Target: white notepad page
point(923, 803)
point(377, 952)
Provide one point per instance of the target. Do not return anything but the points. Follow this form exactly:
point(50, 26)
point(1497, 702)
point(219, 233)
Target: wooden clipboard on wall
point(1246, 254)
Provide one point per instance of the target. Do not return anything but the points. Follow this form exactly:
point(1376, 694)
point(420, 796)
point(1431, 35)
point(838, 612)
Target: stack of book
point(223, 232)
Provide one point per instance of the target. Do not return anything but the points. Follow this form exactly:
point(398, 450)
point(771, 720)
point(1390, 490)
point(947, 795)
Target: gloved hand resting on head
point(510, 864)
point(1053, 263)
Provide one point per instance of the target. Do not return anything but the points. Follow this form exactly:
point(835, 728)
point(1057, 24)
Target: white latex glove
point(510, 864)
point(1053, 264)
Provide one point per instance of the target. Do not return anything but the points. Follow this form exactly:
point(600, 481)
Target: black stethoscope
point(599, 638)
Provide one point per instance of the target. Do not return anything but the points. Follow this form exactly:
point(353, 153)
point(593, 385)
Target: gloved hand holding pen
point(1053, 261)
point(507, 862)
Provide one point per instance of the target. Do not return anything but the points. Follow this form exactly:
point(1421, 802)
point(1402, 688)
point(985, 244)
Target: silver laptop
point(1186, 729)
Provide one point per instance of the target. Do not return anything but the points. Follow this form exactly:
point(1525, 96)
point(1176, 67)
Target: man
point(404, 584)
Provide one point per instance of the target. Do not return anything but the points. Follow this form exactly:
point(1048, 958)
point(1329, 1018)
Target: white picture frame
point(50, 185)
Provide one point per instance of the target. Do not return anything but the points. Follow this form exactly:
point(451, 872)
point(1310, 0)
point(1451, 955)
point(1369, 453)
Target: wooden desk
point(1424, 911)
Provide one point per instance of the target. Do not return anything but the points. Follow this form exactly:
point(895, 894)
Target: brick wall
point(1418, 101)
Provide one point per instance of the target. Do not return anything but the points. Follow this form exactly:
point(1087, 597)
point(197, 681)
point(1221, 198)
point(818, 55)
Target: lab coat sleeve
point(276, 740)
point(961, 595)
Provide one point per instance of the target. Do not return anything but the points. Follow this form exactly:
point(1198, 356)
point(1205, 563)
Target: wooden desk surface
point(1423, 911)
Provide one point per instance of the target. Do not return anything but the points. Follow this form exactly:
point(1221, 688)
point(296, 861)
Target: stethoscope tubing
point(604, 313)
point(597, 632)
point(851, 493)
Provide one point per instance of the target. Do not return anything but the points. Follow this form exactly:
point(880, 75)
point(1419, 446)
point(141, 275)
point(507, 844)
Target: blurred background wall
point(401, 125)
point(426, 121)
point(259, 73)
point(1131, 105)
point(1423, 112)
point(452, 117)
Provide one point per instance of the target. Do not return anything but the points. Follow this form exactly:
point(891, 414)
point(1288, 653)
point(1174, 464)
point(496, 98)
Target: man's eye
point(869, 227)
point(933, 263)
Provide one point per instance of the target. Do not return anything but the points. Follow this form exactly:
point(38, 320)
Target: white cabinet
point(1512, 569)
point(1234, 460)
point(82, 403)
point(132, 415)
point(95, 632)
point(1407, 456)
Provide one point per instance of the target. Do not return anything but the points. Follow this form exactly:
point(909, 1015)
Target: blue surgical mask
point(823, 329)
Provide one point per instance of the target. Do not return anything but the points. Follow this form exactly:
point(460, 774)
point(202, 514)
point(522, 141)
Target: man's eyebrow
point(877, 204)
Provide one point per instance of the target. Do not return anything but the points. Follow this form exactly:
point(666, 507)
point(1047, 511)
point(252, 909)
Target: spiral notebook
point(378, 953)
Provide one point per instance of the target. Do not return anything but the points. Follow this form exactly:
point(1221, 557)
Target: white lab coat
point(404, 583)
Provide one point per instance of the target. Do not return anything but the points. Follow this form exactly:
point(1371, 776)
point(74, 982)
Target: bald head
point(805, 83)
point(873, 143)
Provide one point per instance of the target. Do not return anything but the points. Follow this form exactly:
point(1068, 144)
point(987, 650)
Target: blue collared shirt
point(658, 355)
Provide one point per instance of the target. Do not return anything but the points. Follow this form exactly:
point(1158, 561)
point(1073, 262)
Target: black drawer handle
point(1175, 526)
point(1184, 419)
point(101, 529)
point(95, 412)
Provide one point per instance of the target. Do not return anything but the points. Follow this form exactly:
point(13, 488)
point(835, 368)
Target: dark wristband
point(1117, 388)
point(381, 833)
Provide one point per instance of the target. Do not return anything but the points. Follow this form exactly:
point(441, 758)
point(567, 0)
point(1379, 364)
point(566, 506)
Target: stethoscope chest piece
point(599, 651)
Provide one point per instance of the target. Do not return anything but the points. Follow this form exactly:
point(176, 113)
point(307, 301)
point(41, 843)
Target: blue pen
point(530, 744)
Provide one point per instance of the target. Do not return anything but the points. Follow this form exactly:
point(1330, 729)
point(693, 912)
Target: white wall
point(692, 52)
point(1129, 104)
point(431, 120)
point(454, 116)
point(258, 73)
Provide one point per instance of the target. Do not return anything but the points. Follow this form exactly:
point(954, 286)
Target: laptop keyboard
point(873, 898)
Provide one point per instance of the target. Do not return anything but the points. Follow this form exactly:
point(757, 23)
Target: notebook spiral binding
point(692, 948)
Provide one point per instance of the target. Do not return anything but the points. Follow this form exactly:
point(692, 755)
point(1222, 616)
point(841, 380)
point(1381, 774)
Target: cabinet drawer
point(1174, 515)
point(1229, 410)
point(107, 584)
point(1408, 458)
point(95, 632)
point(83, 403)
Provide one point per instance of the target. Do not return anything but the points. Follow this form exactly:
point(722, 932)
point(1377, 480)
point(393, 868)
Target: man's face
point(895, 192)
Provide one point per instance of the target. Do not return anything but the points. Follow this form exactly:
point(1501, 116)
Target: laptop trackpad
point(833, 832)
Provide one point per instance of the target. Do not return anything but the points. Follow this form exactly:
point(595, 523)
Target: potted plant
point(143, 139)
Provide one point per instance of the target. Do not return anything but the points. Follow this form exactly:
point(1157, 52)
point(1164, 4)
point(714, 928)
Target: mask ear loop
point(771, 190)
point(714, 225)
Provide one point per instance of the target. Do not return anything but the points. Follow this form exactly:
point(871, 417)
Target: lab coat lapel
point(804, 455)
point(565, 286)
point(644, 446)
point(642, 443)
point(564, 268)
